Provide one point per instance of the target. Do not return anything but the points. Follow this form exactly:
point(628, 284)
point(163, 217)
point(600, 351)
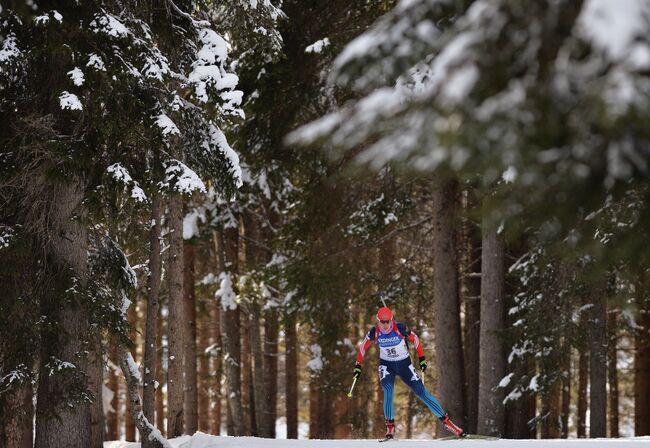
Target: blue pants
point(405, 369)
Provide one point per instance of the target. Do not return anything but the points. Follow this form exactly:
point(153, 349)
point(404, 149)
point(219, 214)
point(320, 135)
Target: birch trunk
point(129, 423)
point(149, 435)
point(113, 418)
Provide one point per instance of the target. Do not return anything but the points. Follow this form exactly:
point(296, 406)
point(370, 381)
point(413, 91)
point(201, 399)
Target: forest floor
point(201, 440)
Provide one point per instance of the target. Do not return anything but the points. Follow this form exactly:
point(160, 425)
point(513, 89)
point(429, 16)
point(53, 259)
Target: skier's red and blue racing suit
point(395, 360)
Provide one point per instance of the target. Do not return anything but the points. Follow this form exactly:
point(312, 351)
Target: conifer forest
point(207, 205)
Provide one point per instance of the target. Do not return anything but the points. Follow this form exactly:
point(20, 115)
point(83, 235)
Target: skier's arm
point(364, 345)
point(412, 337)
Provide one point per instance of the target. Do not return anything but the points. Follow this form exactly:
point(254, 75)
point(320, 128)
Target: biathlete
point(391, 337)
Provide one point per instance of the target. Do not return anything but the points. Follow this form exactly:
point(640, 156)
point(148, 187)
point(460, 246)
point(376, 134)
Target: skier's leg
point(387, 380)
point(409, 375)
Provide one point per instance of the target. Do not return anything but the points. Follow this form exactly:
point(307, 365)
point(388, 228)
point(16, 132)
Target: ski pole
point(352, 388)
point(381, 297)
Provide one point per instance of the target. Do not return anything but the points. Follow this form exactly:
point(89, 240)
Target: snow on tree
point(544, 92)
point(105, 101)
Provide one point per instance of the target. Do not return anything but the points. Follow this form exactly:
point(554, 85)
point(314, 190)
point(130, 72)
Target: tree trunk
point(258, 381)
point(129, 423)
point(246, 370)
point(113, 417)
point(472, 352)
point(189, 300)
point(96, 386)
point(271, 331)
point(72, 428)
point(544, 426)
point(583, 384)
point(160, 375)
point(341, 408)
point(598, 366)
point(642, 368)
point(150, 436)
point(378, 421)
point(204, 373)
point(409, 415)
point(216, 357)
point(230, 424)
point(16, 422)
point(566, 391)
point(216, 354)
point(492, 362)
point(253, 378)
point(291, 372)
point(314, 405)
point(449, 351)
point(519, 413)
point(551, 427)
point(531, 404)
point(612, 374)
point(231, 335)
point(175, 319)
point(325, 409)
point(471, 298)
point(151, 324)
point(67, 246)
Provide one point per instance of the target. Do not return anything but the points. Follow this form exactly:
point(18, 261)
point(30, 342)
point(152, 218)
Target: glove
point(357, 371)
point(423, 363)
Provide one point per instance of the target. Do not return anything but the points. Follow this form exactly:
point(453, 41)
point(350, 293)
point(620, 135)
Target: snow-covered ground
point(201, 440)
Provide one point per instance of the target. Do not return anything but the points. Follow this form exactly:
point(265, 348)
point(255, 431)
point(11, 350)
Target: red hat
point(384, 313)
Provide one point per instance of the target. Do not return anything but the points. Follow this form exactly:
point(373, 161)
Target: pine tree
point(492, 362)
point(78, 152)
point(449, 350)
point(498, 105)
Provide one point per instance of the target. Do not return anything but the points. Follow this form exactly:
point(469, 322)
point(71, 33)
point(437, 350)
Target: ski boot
point(451, 427)
point(390, 429)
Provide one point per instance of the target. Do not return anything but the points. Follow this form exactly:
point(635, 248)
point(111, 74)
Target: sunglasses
point(384, 321)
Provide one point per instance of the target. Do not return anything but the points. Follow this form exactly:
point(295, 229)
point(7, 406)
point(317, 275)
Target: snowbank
point(201, 440)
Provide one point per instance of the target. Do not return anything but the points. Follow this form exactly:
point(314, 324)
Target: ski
point(470, 437)
point(387, 439)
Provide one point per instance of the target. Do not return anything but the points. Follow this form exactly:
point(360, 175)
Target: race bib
point(395, 352)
